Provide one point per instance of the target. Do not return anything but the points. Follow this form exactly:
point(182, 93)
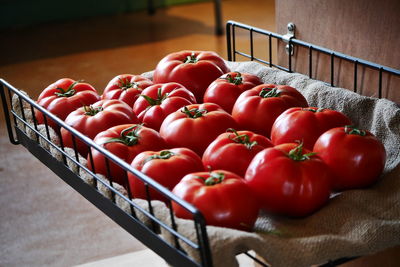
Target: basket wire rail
point(19, 111)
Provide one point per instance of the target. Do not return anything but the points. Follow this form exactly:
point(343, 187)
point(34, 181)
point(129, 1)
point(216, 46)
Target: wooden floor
point(98, 49)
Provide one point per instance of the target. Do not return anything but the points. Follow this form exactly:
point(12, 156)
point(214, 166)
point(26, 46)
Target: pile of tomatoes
point(224, 141)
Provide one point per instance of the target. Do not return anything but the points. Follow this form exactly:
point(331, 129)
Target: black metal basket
point(23, 129)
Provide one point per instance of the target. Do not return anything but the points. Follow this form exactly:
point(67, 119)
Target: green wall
point(18, 13)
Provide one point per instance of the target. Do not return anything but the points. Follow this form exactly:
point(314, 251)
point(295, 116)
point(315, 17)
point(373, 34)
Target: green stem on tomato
point(313, 109)
point(194, 112)
point(191, 59)
point(156, 101)
point(350, 129)
point(165, 154)
point(213, 179)
point(91, 111)
point(69, 92)
point(128, 136)
point(269, 92)
point(237, 80)
point(125, 84)
point(297, 153)
point(241, 139)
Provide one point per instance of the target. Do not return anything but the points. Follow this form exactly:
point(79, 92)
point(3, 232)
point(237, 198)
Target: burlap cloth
point(353, 223)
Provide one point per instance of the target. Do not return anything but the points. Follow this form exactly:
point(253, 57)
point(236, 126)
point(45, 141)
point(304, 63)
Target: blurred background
point(43, 222)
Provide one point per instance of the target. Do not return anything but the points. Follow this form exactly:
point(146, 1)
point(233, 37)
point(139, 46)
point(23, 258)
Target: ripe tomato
point(256, 109)
point(226, 89)
point(159, 100)
point(195, 126)
point(90, 120)
point(63, 97)
point(126, 87)
point(356, 157)
point(125, 141)
point(289, 180)
point(222, 197)
point(305, 125)
point(193, 69)
point(234, 150)
point(167, 167)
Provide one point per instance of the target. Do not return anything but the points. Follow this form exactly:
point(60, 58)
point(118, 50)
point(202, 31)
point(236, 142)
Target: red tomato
point(159, 100)
point(125, 141)
point(356, 157)
point(195, 70)
point(126, 87)
point(289, 180)
point(195, 126)
point(167, 167)
point(305, 125)
point(256, 109)
point(226, 89)
point(63, 97)
point(222, 197)
point(234, 150)
point(93, 119)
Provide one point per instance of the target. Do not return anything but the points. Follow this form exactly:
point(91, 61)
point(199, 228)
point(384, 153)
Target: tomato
point(159, 100)
point(289, 180)
point(356, 157)
point(125, 141)
point(305, 125)
point(256, 109)
point(234, 150)
point(63, 97)
point(126, 87)
point(93, 119)
point(226, 89)
point(195, 70)
point(222, 197)
point(167, 167)
point(195, 126)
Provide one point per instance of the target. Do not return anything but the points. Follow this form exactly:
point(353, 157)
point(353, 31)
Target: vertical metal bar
point(61, 144)
point(109, 176)
point(229, 41)
point(202, 237)
point(251, 45)
point(380, 83)
point(173, 223)
point(332, 68)
point(310, 62)
point(35, 123)
point(290, 56)
point(148, 198)
point(234, 42)
point(130, 196)
point(11, 136)
point(355, 76)
point(270, 49)
point(93, 168)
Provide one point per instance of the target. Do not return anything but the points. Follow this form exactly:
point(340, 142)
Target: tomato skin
point(305, 125)
point(256, 113)
point(166, 98)
point(288, 187)
point(226, 89)
point(230, 151)
point(166, 171)
point(126, 87)
point(61, 106)
point(195, 75)
point(179, 130)
point(229, 203)
point(112, 112)
point(147, 139)
point(357, 161)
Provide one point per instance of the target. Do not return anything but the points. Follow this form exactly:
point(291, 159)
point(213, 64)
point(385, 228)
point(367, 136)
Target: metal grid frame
point(149, 234)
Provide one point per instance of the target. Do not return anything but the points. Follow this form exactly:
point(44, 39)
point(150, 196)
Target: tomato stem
point(157, 101)
point(297, 153)
point(241, 139)
point(191, 59)
point(91, 111)
point(269, 92)
point(128, 136)
point(237, 80)
point(165, 154)
point(350, 129)
point(125, 84)
point(69, 92)
point(213, 179)
point(315, 110)
point(194, 112)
